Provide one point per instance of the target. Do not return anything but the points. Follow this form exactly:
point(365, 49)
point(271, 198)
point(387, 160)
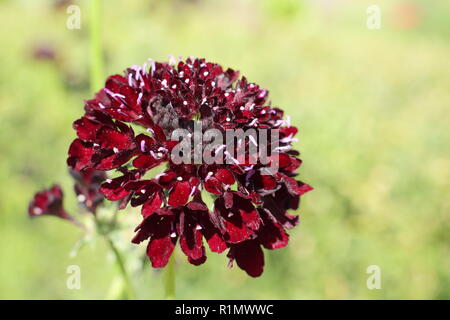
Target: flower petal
point(215, 242)
point(180, 194)
point(249, 257)
point(80, 154)
point(225, 176)
point(152, 205)
point(212, 185)
point(191, 242)
point(272, 234)
point(159, 250)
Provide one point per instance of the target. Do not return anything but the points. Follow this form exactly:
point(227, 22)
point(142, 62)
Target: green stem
point(169, 278)
point(95, 46)
point(118, 257)
point(121, 264)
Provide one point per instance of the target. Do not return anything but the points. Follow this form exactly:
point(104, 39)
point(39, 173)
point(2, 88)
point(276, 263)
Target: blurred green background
point(372, 106)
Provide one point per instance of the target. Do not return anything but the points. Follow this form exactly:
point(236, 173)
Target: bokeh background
point(373, 108)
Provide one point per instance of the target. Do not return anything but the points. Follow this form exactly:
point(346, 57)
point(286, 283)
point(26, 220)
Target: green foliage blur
point(372, 106)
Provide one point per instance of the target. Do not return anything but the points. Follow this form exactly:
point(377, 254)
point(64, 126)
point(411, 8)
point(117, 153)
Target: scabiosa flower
point(87, 187)
point(127, 127)
point(49, 202)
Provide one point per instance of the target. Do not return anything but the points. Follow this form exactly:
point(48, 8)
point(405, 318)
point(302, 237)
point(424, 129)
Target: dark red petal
point(122, 204)
point(145, 162)
point(272, 205)
point(170, 145)
point(179, 194)
point(191, 242)
point(158, 133)
point(249, 215)
point(236, 231)
point(115, 82)
point(145, 143)
point(251, 219)
point(212, 185)
point(106, 159)
point(109, 139)
point(249, 257)
point(284, 160)
point(288, 131)
point(144, 231)
point(80, 154)
point(197, 262)
point(304, 188)
point(159, 250)
point(152, 205)
point(113, 191)
point(292, 186)
point(239, 222)
point(167, 179)
point(38, 206)
point(158, 225)
point(272, 234)
point(197, 205)
point(225, 176)
point(216, 243)
point(268, 182)
point(86, 129)
point(295, 164)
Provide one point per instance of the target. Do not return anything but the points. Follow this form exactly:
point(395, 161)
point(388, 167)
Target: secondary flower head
point(86, 187)
point(128, 127)
point(49, 202)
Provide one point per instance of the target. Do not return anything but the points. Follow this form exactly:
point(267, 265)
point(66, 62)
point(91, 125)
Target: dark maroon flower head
point(49, 202)
point(127, 127)
point(87, 187)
